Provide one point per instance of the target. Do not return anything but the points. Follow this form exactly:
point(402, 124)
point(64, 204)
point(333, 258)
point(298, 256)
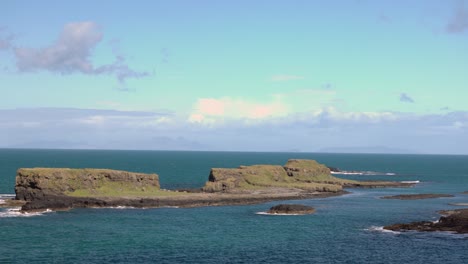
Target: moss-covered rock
point(39, 183)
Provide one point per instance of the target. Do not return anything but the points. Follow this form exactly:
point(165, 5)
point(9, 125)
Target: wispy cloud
point(383, 18)
point(286, 77)
point(72, 53)
point(405, 98)
point(6, 39)
point(459, 21)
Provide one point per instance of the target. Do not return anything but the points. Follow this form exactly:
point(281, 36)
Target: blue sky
point(385, 76)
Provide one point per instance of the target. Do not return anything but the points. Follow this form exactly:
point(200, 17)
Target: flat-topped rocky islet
point(291, 209)
point(64, 188)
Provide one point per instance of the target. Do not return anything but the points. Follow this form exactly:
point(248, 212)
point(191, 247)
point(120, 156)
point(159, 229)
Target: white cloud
point(5, 40)
point(72, 53)
point(212, 110)
point(332, 114)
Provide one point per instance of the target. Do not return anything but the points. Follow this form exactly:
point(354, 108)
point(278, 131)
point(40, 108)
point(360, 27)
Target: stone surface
point(291, 209)
point(454, 221)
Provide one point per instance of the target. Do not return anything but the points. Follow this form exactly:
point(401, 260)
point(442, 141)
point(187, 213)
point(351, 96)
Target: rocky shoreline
point(183, 201)
point(453, 221)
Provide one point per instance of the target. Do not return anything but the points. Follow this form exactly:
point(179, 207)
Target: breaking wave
point(410, 181)
point(266, 213)
point(370, 173)
point(16, 212)
point(381, 229)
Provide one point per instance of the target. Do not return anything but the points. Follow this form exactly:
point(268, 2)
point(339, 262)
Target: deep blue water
point(343, 230)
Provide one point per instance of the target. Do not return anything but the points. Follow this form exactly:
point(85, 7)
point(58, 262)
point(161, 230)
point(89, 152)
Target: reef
point(418, 196)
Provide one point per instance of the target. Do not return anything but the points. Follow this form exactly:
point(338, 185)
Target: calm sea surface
point(344, 229)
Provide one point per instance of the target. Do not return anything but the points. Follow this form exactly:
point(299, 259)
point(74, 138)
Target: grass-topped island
point(64, 188)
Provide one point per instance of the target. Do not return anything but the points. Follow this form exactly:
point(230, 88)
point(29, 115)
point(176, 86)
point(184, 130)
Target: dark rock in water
point(456, 221)
point(417, 196)
point(465, 192)
point(291, 209)
point(334, 169)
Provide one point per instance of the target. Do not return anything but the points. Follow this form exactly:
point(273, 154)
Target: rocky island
point(291, 209)
point(64, 188)
point(452, 221)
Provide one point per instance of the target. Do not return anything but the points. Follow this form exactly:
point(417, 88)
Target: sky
point(309, 76)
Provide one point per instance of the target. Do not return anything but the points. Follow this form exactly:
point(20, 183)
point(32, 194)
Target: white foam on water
point(16, 212)
point(369, 173)
point(4, 197)
point(7, 195)
point(459, 204)
point(410, 181)
point(381, 229)
point(265, 213)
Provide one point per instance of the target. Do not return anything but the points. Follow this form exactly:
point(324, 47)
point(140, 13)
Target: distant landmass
point(371, 149)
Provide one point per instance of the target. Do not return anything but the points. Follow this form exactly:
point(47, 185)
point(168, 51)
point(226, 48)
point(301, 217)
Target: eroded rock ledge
point(453, 221)
point(63, 188)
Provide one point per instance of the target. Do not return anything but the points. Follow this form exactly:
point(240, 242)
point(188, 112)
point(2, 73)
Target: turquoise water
point(344, 229)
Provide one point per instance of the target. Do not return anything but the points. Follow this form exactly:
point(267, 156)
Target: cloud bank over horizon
point(307, 132)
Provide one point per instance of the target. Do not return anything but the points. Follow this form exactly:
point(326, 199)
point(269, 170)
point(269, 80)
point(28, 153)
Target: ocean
point(344, 229)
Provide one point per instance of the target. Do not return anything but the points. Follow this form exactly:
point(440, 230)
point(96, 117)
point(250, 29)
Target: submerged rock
point(417, 196)
point(291, 209)
point(455, 221)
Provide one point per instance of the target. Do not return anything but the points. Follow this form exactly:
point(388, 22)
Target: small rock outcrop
point(291, 209)
point(43, 183)
point(455, 221)
point(417, 196)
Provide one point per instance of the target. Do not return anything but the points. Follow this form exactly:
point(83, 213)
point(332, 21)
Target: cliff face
point(300, 174)
point(40, 183)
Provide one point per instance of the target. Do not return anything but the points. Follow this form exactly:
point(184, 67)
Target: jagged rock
point(291, 209)
point(455, 221)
